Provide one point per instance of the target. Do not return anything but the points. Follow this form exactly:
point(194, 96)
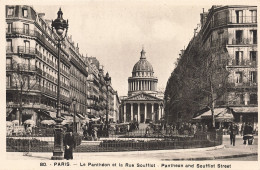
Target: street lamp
point(74, 101)
point(108, 81)
point(60, 25)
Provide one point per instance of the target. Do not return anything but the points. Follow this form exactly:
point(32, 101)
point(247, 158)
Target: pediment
point(143, 96)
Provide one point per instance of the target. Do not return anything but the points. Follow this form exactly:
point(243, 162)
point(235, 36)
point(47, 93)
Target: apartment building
point(32, 71)
point(229, 33)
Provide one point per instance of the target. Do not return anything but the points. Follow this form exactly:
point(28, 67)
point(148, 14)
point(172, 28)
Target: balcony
point(242, 19)
point(48, 91)
point(243, 85)
point(243, 63)
point(20, 31)
point(26, 50)
point(242, 41)
point(39, 54)
point(20, 67)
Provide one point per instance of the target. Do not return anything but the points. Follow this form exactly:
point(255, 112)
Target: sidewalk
point(219, 152)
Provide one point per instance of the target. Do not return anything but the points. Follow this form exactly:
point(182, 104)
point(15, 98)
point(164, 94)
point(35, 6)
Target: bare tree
point(200, 78)
point(24, 80)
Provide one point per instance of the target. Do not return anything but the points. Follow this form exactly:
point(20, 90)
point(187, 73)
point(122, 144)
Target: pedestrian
point(147, 131)
point(69, 144)
point(233, 132)
point(29, 130)
point(248, 133)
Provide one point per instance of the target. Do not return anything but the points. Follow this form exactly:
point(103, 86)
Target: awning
point(70, 118)
point(80, 116)
point(9, 111)
point(245, 109)
point(220, 114)
point(53, 114)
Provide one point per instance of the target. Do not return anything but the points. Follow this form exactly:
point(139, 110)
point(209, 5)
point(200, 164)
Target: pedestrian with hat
point(69, 144)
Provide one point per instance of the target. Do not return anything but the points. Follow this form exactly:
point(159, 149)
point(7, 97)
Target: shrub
point(78, 138)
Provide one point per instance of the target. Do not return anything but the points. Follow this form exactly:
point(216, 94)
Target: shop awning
point(220, 114)
point(80, 116)
point(9, 111)
point(53, 114)
point(70, 119)
point(244, 109)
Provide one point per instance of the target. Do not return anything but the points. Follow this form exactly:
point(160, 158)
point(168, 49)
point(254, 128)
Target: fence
point(138, 141)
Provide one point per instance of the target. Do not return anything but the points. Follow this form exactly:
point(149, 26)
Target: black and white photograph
point(129, 84)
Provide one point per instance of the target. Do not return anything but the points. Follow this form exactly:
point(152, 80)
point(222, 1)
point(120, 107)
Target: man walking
point(233, 132)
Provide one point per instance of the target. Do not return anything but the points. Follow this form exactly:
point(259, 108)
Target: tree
point(199, 80)
point(24, 80)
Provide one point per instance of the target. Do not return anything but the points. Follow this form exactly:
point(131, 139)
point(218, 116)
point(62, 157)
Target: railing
point(35, 142)
point(39, 71)
point(20, 67)
point(48, 91)
point(20, 31)
point(242, 63)
point(242, 41)
point(26, 50)
point(39, 54)
point(243, 84)
point(234, 20)
point(242, 19)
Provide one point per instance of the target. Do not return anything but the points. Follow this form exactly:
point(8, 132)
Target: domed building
point(142, 103)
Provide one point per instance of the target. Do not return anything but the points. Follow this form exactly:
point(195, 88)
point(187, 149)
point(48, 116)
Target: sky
point(115, 31)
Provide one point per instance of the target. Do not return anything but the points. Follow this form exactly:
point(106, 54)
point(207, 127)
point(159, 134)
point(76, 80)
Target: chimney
point(41, 15)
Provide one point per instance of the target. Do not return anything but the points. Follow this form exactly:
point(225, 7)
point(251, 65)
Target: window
point(9, 27)
point(239, 16)
point(241, 98)
point(253, 35)
point(26, 46)
point(8, 80)
point(9, 47)
point(253, 76)
point(253, 56)
point(26, 29)
point(25, 13)
point(254, 16)
point(253, 98)
point(10, 11)
point(239, 36)
point(238, 77)
point(239, 57)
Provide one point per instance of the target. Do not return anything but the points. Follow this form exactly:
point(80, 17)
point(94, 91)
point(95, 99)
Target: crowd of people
point(177, 129)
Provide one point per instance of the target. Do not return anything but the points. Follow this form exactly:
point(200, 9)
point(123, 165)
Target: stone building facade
point(230, 34)
point(31, 71)
point(142, 102)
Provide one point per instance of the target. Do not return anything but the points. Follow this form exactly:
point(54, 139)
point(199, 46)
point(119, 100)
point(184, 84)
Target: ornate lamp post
point(108, 81)
point(60, 25)
point(74, 101)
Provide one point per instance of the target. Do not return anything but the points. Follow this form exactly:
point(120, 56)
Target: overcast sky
point(115, 32)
